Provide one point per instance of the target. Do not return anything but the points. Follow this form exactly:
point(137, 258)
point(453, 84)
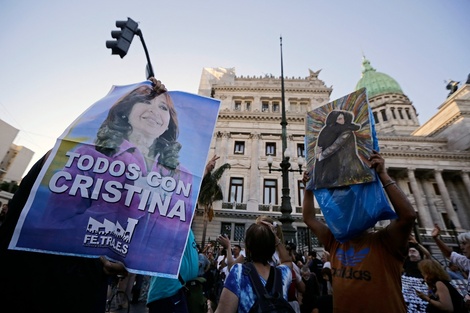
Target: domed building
point(430, 162)
point(394, 114)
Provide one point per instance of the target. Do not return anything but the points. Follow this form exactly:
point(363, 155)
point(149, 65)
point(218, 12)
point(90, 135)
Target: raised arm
point(225, 242)
point(319, 228)
point(400, 228)
point(420, 247)
point(211, 165)
point(445, 249)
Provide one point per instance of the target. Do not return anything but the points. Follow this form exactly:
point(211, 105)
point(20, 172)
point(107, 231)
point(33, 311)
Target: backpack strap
point(260, 291)
point(277, 288)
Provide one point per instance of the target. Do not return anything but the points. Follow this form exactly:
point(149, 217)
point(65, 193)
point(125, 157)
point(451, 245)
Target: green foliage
point(11, 187)
point(210, 188)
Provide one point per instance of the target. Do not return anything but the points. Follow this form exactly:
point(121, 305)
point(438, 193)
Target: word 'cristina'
point(112, 191)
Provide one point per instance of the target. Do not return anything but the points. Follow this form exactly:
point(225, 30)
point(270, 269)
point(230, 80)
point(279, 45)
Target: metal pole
point(149, 64)
point(286, 207)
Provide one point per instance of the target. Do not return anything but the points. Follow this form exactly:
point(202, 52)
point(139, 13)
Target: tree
point(10, 187)
point(210, 192)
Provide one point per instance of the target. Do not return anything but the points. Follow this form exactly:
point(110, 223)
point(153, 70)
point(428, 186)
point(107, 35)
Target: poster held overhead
point(122, 181)
point(340, 136)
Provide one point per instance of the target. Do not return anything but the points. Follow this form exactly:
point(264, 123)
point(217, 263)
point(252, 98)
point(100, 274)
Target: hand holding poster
point(340, 137)
point(123, 180)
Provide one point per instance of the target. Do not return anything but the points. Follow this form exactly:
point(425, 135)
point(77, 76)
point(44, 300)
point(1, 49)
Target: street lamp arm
point(285, 166)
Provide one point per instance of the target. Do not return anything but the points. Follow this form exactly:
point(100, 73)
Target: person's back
point(315, 265)
point(455, 272)
point(239, 293)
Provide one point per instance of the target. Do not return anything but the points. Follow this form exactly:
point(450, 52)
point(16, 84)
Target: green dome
point(376, 83)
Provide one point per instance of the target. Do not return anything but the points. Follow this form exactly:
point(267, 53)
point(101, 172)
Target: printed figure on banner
point(340, 137)
point(122, 180)
point(339, 142)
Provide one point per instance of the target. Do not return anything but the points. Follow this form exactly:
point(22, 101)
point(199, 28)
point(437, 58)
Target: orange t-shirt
point(366, 274)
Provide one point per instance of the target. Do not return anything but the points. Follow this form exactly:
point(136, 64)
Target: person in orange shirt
point(367, 269)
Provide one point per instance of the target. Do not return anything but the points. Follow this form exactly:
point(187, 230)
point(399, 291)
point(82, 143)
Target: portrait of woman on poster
point(337, 162)
point(140, 129)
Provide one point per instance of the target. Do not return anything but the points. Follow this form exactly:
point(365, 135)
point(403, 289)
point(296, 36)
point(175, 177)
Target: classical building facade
point(430, 162)
point(14, 159)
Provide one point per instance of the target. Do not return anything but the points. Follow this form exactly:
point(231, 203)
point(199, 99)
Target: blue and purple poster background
point(85, 203)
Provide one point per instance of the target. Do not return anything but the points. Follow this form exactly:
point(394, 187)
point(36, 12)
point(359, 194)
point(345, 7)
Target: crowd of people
point(362, 274)
point(310, 287)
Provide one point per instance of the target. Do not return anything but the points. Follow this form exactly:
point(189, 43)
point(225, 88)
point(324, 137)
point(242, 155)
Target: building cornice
point(259, 116)
point(246, 214)
point(267, 89)
point(449, 122)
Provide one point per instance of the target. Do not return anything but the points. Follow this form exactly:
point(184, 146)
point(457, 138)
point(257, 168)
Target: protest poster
point(348, 192)
point(123, 180)
point(339, 142)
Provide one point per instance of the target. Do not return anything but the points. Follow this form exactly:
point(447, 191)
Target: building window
point(306, 238)
point(294, 107)
point(401, 113)
point(384, 115)
point(393, 113)
point(408, 114)
point(264, 106)
point(275, 106)
point(437, 192)
point(248, 105)
point(270, 191)
point(301, 188)
point(270, 148)
point(301, 150)
point(239, 233)
point(376, 118)
point(303, 107)
point(238, 105)
point(236, 190)
point(226, 229)
point(239, 147)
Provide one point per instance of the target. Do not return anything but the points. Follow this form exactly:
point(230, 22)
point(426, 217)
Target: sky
point(54, 63)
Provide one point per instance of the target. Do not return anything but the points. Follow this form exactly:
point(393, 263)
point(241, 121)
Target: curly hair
point(434, 270)
point(116, 128)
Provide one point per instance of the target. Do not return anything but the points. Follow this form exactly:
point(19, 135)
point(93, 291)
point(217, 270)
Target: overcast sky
point(54, 63)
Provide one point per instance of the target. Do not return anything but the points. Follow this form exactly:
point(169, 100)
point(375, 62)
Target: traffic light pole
point(149, 64)
point(123, 41)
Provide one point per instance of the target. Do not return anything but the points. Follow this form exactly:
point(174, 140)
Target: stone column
point(424, 216)
point(429, 194)
point(446, 198)
point(464, 214)
point(388, 113)
point(253, 188)
point(466, 180)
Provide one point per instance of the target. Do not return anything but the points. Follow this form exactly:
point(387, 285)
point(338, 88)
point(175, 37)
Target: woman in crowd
point(442, 296)
point(238, 294)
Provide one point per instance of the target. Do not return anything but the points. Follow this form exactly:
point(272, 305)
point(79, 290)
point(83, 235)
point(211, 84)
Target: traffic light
point(123, 37)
